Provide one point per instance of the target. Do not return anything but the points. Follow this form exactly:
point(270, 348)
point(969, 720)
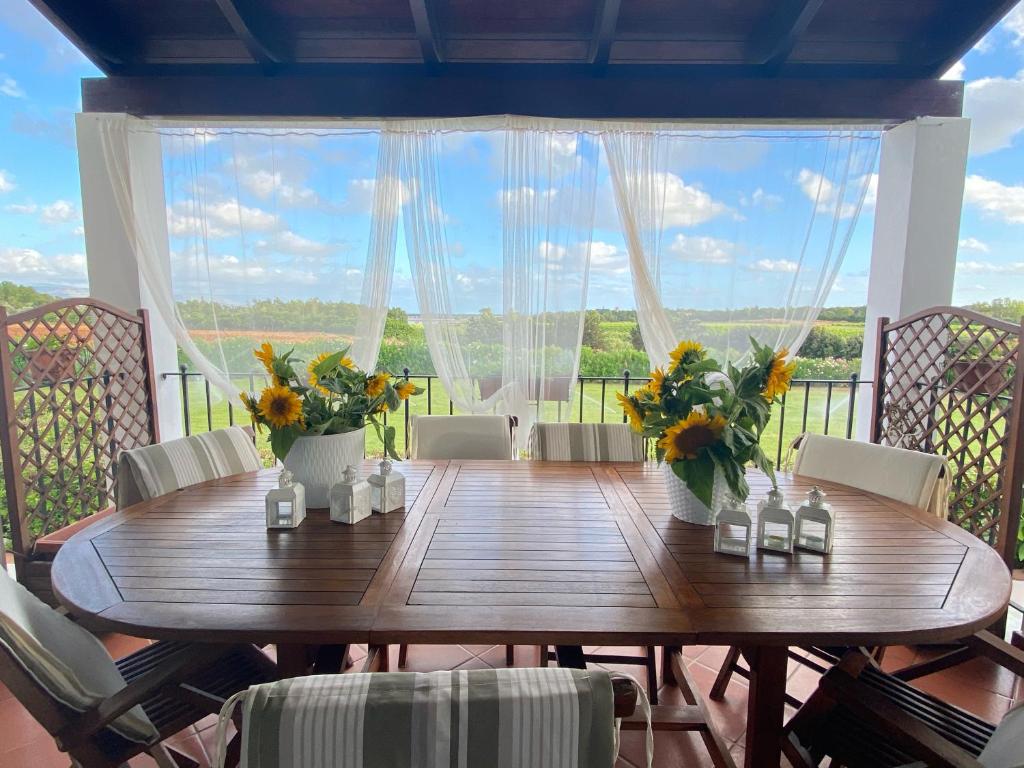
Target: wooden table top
point(522, 552)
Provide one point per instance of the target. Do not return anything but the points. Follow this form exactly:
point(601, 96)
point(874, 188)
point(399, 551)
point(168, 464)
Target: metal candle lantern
point(387, 489)
point(815, 523)
point(733, 528)
point(775, 523)
point(350, 498)
point(286, 504)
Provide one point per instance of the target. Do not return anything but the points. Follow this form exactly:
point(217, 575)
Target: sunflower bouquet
point(707, 421)
point(331, 396)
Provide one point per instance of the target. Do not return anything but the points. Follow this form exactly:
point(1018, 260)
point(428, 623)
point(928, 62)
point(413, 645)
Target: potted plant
point(317, 421)
point(707, 423)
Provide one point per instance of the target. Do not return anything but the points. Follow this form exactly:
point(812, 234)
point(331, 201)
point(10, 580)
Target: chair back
point(911, 477)
point(155, 470)
point(76, 389)
point(460, 437)
point(510, 717)
point(55, 667)
point(585, 442)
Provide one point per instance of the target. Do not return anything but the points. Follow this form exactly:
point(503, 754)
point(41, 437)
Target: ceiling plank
point(94, 33)
point(257, 30)
point(773, 41)
point(427, 31)
point(410, 91)
point(948, 39)
point(604, 32)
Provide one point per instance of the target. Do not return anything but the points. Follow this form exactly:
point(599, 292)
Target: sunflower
point(689, 435)
point(686, 352)
point(280, 407)
point(636, 419)
point(778, 376)
point(405, 389)
point(345, 362)
point(265, 354)
point(249, 401)
point(655, 384)
point(375, 384)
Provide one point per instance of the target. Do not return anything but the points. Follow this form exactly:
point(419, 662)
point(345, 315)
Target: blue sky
point(297, 248)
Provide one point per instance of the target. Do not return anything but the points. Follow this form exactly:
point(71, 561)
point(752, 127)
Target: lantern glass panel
point(812, 534)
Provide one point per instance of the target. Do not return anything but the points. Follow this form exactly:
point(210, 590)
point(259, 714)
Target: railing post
point(625, 390)
point(405, 372)
point(185, 412)
point(850, 405)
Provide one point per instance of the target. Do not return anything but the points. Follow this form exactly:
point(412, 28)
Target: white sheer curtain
point(754, 223)
point(279, 234)
point(501, 277)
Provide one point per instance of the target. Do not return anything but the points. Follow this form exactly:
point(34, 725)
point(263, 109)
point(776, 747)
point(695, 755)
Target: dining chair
point(594, 443)
point(511, 717)
point(100, 712)
point(860, 716)
point(155, 470)
point(911, 477)
point(461, 437)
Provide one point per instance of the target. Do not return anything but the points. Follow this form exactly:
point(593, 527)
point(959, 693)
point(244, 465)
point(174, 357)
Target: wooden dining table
point(525, 552)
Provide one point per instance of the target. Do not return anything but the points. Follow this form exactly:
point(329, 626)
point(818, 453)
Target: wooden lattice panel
point(949, 383)
point(77, 390)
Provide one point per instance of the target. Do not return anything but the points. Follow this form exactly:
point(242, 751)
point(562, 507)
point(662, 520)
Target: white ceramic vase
point(687, 507)
point(319, 462)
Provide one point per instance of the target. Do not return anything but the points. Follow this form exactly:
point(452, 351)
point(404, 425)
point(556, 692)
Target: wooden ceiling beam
point(412, 92)
point(948, 44)
point(257, 30)
point(773, 41)
point(99, 37)
point(427, 31)
point(604, 32)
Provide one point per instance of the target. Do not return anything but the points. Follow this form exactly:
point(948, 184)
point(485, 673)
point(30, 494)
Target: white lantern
point(815, 523)
point(387, 489)
point(775, 523)
point(733, 528)
point(286, 504)
point(350, 498)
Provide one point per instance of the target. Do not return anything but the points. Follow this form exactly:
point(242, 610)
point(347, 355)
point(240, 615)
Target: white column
point(114, 275)
point(917, 227)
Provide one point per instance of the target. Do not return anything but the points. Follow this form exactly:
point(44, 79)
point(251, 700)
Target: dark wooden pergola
point(814, 60)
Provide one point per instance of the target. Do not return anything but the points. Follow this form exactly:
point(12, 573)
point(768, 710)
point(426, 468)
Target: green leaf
point(329, 363)
point(699, 476)
point(389, 443)
point(282, 440)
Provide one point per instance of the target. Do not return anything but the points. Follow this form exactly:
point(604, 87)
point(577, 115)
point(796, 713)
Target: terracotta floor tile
point(495, 656)
point(192, 747)
point(897, 657)
point(119, 646)
point(712, 656)
point(985, 704)
point(5, 693)
point(17, 727)
point(39, 753)
point(476, 650)
point(429, 658)
point(671, 750)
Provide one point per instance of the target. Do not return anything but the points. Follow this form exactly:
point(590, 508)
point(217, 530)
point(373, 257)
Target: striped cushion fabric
point(165, 467)
point(506, 718)
point(585, 442)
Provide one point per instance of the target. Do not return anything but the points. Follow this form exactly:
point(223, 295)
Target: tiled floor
point(979, 686)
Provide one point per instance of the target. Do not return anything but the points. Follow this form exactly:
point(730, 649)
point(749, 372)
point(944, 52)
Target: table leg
point(571, 656)
point(766, 704)
point(293, 660)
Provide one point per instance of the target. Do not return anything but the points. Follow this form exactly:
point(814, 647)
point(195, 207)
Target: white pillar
point(917, 227)
point(114, 275)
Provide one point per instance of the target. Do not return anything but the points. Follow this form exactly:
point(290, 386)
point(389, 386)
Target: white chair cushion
point(1006, 747)
point(65, 659)
point(165, 467)
point(908, 476)
point(585, 442)
point(460, 437)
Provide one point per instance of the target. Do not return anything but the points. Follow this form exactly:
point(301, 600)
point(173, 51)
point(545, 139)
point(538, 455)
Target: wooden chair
point(77, 388)
point(594, 443)
point(101, 712)
point(461, 437)
point(861, 717)
point(912, 477)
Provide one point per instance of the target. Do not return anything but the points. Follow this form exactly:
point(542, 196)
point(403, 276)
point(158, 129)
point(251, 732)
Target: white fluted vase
point(319, 462)
point(687, 507)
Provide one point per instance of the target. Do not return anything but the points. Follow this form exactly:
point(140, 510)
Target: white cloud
point(702, 249)
point(231, 213)
point(990, 268)
point(361, 191)
point(6, 181)
point(761, 198)
point(289, 242)
point(223, 219)
point(22, 208)
point(28, 263)
point(995, 199)
point(606, 258)
point(817, 188)
point(686, 205)
point(996, 108)
point(1014, 23)
point(973, 244)
point(266, 185)
point(955, 72)
point(58, 212)
point(551, 251)
point(9, 87)
point(774, 265)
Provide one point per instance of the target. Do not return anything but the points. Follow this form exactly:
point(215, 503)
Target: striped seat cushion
point(165, 467)
point(507, 718)
point(585, 442)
